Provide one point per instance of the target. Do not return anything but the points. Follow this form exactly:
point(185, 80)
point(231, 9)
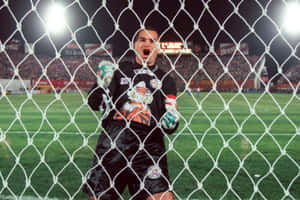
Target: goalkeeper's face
point(146, 47)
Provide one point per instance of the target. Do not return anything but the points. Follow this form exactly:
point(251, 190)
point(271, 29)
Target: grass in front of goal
point(228, 146)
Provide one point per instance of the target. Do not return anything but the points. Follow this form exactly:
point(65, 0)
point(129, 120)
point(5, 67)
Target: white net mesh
point(239, 127)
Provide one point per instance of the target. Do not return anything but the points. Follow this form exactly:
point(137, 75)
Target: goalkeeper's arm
point(105, 73)
point(95, 97)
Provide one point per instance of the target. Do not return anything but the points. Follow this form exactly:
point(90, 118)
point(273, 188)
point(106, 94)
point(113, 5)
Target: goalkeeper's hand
point(105, 73)
point(170, 119)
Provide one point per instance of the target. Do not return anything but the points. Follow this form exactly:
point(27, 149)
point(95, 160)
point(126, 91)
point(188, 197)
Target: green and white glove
point(170, 119)
point(105, 73)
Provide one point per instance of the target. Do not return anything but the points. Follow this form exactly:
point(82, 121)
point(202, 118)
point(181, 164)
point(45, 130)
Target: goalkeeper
point(140, 103)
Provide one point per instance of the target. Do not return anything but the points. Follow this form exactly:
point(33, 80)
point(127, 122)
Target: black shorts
point(142, 167)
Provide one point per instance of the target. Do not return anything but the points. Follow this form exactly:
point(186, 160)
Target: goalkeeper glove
point(171, 117)
point(105, 73)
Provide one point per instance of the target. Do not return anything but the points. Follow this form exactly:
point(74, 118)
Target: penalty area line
point(50, 132)
point(10, 197)
point(183, 133)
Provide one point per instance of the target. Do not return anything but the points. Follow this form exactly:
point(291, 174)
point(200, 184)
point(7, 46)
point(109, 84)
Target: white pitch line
point(184, 133)
point(46, 132)
point(3, 197)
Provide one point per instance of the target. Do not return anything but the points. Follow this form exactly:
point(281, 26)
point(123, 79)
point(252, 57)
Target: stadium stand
point(201, 71)
point(289, 80)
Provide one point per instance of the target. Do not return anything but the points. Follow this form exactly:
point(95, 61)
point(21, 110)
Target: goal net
point(236, 66)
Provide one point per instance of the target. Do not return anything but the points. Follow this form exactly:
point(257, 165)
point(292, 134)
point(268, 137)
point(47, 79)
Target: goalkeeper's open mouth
point(146, 53)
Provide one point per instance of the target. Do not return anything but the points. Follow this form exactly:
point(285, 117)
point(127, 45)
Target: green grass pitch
point(228, 146)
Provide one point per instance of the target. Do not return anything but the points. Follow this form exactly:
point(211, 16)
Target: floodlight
point(291, 23)
point(55, 19)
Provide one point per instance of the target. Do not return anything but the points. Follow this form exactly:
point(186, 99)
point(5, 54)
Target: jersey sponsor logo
point(154, 172)
point(137, 109)
point(140, 93)
point(125, 81)
point(143, 71)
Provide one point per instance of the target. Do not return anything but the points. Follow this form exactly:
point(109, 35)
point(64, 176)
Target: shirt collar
point(153, 68)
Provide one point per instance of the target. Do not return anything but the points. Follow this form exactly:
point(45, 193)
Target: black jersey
point(136, 94)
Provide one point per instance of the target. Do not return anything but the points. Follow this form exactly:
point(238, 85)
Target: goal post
point(235, 139)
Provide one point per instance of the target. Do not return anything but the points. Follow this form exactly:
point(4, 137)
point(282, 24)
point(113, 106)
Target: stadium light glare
point(291, 22)
point(55, 20)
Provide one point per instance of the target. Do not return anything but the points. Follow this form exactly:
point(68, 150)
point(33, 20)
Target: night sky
point(237, 17)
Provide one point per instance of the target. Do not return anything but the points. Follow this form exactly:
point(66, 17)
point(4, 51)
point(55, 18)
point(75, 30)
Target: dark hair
point(147, 28)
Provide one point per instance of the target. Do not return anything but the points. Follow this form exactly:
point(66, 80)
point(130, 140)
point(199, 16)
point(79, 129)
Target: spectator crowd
point(184, 68)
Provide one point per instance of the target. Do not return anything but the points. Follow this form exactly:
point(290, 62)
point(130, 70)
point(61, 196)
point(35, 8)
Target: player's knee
point(161, 196)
